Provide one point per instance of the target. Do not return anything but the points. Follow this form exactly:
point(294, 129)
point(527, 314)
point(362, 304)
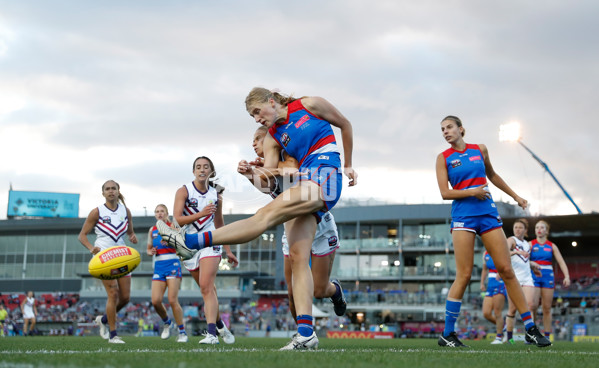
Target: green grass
point(147, 352)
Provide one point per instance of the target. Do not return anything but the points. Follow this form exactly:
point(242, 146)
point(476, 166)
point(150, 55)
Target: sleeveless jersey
point(521, 264)
point(161, 250)
point(489, 263)
point(305, 136)
point(28, 308)
point(111, 226)
point(195, 202)
point(542, 254)
point(465, 170)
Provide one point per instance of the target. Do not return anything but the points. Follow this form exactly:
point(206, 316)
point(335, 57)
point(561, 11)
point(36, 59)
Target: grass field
point(146, 352)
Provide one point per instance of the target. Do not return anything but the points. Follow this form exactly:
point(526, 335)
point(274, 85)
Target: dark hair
point(260, 95)
point(121, 197)
point(211, 178)
point(457, 121)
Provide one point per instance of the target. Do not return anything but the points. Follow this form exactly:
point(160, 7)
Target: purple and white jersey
point(111, 226)
point(195, 203)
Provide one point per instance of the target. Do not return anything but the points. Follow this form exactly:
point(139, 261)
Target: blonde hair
point(260, 95)
point(544, 222)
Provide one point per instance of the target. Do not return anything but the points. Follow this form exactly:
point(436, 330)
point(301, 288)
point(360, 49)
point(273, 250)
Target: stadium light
point(510, 132)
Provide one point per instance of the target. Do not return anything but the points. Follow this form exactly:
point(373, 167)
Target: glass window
point(346, 231)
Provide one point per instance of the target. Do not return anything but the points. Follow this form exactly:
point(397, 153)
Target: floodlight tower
point(510, 132)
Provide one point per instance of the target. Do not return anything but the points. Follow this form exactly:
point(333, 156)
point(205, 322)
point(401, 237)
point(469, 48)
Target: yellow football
point(113, 263)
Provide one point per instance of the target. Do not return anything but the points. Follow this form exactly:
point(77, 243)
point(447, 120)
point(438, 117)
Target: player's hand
point(483, 287)
point(208, 210)
point(151, 251)
point(232, 259)
point(521, 202)
point(258, 162)
point(243, 167)
point(352, 175)
point(133, 238)
point(95, 250)
point(481, 192)
point(522, 253)
point(566, 281)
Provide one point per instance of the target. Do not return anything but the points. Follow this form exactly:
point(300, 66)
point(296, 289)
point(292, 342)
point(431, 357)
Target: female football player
point(167, 274)
point(111, 221)
point(301, 127)
point(466, 167)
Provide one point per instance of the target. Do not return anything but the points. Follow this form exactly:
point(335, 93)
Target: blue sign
point(42, 204)
point(579, 329)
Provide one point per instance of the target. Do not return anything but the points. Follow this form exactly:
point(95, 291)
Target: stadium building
point(395, 261)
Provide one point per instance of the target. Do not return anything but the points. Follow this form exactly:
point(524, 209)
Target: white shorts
point(28, 315)
point(193, 264)
point(524, 276)
point(326, 239)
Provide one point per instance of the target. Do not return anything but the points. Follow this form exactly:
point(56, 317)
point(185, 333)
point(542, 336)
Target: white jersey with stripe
point(111, 226)
point(521, 264)
point(195, 203)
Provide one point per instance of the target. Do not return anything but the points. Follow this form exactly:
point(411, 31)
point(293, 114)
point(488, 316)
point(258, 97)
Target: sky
point(134, 91)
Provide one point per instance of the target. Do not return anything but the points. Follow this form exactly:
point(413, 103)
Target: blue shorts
point(477, 224)
point(167, 269)
point(495, 287)
point(546, 280)
point(329, 179)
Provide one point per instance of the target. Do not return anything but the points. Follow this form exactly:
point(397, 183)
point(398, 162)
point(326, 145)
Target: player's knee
point(506, 272)
point(172, 300)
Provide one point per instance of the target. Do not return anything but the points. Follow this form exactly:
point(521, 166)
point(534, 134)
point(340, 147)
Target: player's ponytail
point(260, 95)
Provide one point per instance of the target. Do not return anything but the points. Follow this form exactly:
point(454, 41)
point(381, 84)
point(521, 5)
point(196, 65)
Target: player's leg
point(25, 325)
point(546, 301)
point(207, 275)
point(321, 269)
point(463, 245)
point(510, 319)
point(302, 199)
point(124, 292)
point(496, 244)
point(157, 294)
point(112, 293)
point(289, 281)
point(488, 309)
point(174, 284)
point(498, 304)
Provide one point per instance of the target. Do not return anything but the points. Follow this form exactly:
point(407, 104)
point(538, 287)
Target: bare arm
point(326, 111)
point(498, 181)
point(562, 265)
point(88, 226)
point(447, 193)
point(180, 198)
point(130, 231)
point(150, 250)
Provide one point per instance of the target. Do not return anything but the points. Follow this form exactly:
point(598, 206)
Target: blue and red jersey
point(465, 170)
point(305, 136)
point(542, 254)
point(157, 243)
point(489, 263)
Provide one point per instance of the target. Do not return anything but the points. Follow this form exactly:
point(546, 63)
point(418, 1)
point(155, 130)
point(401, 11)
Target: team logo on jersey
point(192, 202)
point(455, 163)
point(216, 248)
point(333, 241)
point(285, 139)
point(327, 217)
point(106, 219)
point(475, 158)
point(458, 224)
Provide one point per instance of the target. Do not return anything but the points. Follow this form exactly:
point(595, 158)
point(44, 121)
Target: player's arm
point(562, 265)
point(449, 193)
point(219, 221)
point(88, 225)
point(272, 152)
point(326, 111)
point(498, 180)
point(150, 250)
point(511, 244)
point(130, 231)
point(180, 198)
